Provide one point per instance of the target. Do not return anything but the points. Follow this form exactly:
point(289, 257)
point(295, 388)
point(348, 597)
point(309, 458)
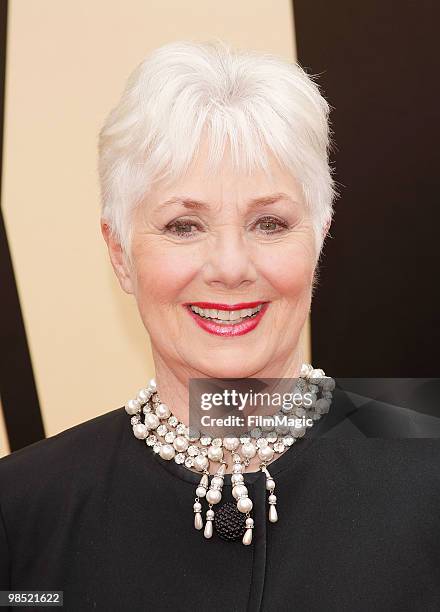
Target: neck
point(173, 382)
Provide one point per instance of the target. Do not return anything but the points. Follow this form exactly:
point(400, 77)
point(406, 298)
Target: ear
point(118, 259)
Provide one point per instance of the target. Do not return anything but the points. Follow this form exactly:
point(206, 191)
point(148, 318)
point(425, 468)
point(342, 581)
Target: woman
point(217, 197)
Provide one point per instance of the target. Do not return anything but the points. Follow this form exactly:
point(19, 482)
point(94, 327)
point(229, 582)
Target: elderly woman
point(217, 197)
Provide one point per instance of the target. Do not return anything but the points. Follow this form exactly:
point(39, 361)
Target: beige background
point(67, 62)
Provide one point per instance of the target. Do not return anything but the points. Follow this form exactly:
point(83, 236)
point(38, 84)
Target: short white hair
point(254, 101)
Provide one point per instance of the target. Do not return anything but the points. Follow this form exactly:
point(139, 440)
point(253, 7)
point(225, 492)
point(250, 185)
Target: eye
point(271, 225)
point(182, 228)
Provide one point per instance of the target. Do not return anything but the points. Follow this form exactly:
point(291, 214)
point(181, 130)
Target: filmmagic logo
point(231, 398)
point(256, 420)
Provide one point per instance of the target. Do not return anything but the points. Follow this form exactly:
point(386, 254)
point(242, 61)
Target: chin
point(231, 369)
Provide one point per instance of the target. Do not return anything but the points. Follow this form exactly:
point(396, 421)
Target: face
point(218, 243)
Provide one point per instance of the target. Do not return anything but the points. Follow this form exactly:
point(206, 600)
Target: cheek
point(161, 277)
point(289, 271)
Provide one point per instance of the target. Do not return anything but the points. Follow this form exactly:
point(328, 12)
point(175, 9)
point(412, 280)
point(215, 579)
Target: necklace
point(172, 439)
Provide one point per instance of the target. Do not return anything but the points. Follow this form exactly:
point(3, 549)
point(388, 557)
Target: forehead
point(226, 183)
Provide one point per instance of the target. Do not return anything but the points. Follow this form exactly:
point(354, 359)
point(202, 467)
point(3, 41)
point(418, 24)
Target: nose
point(228, 261)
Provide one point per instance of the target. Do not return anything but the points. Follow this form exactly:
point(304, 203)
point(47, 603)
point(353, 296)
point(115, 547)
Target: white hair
point(252, 100)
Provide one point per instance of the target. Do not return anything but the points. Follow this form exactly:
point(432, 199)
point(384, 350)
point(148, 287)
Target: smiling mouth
point(226, 317)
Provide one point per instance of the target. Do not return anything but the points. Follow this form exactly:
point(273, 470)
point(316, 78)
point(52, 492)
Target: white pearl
point(272, 499)
point(322, 406)
point(247, 538)
point(237, 468)
point(215, 453)
point(143, 395)
point(297, 432)
point(266, 453)
point(244, 504)
point(198, 521)
point(180, 444)
point(249, 522)
point(210, 514)
point(213, 496)
point(201, 462)
point(217, 481)
point(167, 451)
point(208, 529)
point(248, 450)
point(236, 478)
point(328, 384)
point(162, 411)
point(140, 431)
point(132, 406)
point(151, 420)
point(273, 516)
point(239, 491)
point(270, 484)
point(231, 443)
point(200, 491)
point(197, 506)
point(152, 384)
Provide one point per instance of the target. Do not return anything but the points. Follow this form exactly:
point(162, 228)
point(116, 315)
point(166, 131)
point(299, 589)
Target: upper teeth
point(225, 315)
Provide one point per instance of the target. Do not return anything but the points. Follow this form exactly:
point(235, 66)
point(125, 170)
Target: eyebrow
point(193, 204)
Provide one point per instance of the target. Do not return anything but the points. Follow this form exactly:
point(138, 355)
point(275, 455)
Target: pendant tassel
point(272, 499)
point(213, 496)
point(247, 538)
point(200, 492)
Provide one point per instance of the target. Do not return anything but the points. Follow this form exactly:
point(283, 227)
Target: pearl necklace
point(172, 439)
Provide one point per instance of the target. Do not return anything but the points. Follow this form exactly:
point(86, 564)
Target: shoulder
point(57, 456)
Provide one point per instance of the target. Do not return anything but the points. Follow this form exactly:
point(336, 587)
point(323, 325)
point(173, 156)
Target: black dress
point(94, 512)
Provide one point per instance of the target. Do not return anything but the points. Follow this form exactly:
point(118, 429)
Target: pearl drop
point(167, 451)
point(248, 450)
point(180, 444)
point(245, 504)
point(273, 516)
point(198, 521)
point(151, 420)
point(140, 431)
point(231, 443)
point(266, 453)
point(247, 538)
point(213, 496)
point(200, 491)
point(132, 406)
point(215, 453)
point(162, 411)
point(239, 491)
point(221, 470)
point(208, 529)
point(201, 462)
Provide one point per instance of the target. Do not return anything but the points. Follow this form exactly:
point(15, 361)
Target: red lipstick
point(228, 329)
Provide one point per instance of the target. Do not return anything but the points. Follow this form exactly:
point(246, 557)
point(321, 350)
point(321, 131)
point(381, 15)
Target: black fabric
point(93, 512)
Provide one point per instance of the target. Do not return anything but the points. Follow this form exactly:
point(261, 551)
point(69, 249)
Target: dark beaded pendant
point(229, 522)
